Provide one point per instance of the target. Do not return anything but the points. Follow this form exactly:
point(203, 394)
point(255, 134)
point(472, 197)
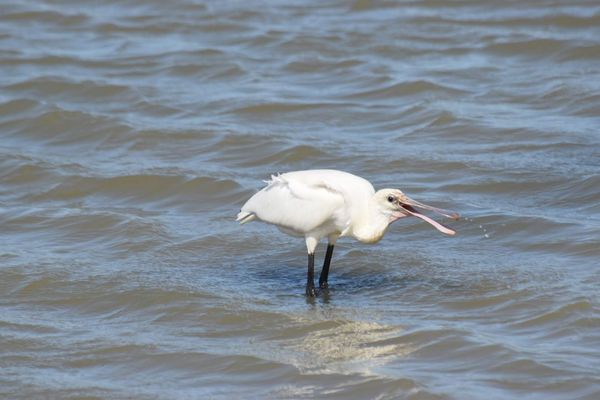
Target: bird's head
point(395, 204)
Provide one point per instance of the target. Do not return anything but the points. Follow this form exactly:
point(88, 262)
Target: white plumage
point(329, 203)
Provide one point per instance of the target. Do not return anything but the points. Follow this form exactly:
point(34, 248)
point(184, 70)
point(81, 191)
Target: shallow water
point(131, 133)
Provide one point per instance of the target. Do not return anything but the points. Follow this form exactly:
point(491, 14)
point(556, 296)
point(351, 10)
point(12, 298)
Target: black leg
point(325, 271)
point(310, 277)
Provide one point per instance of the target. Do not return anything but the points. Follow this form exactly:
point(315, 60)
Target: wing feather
point(295, 204)
point(309, 201)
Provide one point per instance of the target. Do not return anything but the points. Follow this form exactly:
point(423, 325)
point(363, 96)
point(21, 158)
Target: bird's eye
point(391, 199)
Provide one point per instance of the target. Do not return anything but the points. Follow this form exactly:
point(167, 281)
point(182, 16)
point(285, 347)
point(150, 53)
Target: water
point(132, 132)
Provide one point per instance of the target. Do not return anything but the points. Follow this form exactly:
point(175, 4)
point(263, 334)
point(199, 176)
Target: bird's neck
point(371, 226)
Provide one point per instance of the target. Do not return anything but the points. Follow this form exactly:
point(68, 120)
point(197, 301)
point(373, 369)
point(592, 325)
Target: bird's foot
point(311, 291)
point(324, 285)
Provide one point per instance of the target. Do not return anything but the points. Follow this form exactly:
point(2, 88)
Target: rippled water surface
point(132, 132)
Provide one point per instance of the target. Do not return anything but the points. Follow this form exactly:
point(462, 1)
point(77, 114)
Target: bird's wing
point(296, 204)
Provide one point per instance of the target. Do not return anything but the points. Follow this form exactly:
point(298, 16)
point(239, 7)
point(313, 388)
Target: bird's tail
point(244, 216)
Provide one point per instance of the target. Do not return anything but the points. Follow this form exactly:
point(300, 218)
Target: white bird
point(329, 203)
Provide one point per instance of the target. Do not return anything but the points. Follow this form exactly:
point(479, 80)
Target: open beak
point(408, 206)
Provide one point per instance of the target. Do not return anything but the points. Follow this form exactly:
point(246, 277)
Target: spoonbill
point(315, 204)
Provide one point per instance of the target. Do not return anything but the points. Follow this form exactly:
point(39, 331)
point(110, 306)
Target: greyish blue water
point(131, 132)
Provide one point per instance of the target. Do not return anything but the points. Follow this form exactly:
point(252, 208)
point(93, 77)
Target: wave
point(78, 90)
point(410, 88)
point(280, 107)
point(168, 192)
point(47, 16)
